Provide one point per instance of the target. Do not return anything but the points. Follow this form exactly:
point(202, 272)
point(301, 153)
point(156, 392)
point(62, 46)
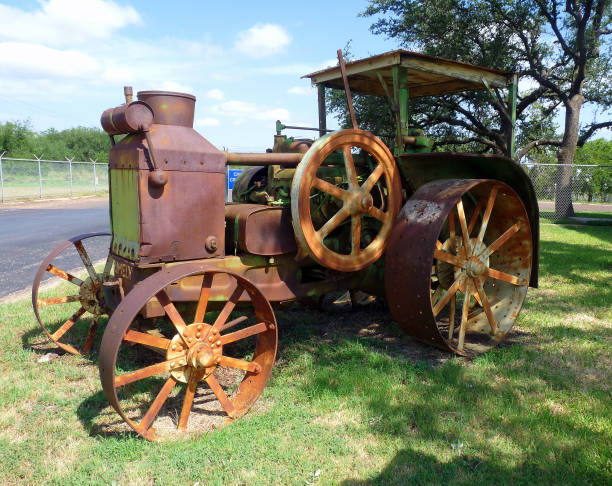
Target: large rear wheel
point(459, 263)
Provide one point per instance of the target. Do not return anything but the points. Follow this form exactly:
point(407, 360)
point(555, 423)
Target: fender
point(419, 169)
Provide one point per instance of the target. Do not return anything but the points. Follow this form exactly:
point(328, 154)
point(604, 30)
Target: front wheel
point(219, 362)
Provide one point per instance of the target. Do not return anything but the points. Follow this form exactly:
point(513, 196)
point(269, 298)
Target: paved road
point(28, 232)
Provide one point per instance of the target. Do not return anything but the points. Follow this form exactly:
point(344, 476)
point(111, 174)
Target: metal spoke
point(220, 394)
point(108, 265)
point(91, 334)
point(487, 214)
point(146, 339)
point(451, 225)
point(194, 378)
point(451, 317)
point(156, 406)
point(373, 178)
point(503, 238)
point(146, 372)
point(486, 306)
point(330, 189)
point(464, 318)
point(333, 223)
point(349, 165)
point(58, 272)
point(475, 216)
point(464, 230)
point(378, 214)
point(233, 323)
point(436, 295)
point(57, 300)
point(355, 234)
point(67, 325)
point(172, 313)
point(86, 261)
point(506, 277)
point(448, 257)
point(204, 295)
point(449, 293)
point(244, 333)
point(239, 364)
point(227, 309)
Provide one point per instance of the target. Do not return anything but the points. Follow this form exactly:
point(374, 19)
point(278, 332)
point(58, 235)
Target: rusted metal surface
point(419, 169)
point(254, 159)
point(178, 212)
point(258, 229)
point(134, 117)
point(475, 235)
point(170, 108)
point(347, 89)
point(87, 292)
point(356, 199)
point(196, 351)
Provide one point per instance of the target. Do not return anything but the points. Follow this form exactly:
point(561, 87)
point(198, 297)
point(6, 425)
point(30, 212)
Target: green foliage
point(18, 140)
point(510, 35)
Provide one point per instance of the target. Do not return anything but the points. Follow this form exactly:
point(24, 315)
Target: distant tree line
point(19, 140)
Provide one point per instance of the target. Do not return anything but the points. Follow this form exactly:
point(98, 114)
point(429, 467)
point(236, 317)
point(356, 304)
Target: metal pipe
point(287, 159)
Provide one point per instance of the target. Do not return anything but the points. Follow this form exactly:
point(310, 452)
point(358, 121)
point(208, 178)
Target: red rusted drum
point(170, 108)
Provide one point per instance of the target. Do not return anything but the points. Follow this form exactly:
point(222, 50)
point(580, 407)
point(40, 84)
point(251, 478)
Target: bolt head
point(219, 343)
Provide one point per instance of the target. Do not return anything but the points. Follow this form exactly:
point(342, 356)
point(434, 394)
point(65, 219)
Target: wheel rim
point(87, 292)
point(229, 358)
point(357, 200)
point(480, 266)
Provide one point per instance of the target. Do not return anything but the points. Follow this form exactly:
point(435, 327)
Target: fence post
point(70, 167)
point(1, 178)
point(39, 176)
point(95, 176)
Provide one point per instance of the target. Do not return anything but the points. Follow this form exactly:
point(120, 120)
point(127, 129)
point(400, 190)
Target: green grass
point(353, 401)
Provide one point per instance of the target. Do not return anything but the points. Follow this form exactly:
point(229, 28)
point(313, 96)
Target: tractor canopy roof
point(424, 75)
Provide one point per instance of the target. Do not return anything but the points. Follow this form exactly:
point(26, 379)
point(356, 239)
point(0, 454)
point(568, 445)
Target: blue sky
point(62, 62)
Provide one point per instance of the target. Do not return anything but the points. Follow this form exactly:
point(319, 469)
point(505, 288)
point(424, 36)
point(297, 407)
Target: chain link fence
point(42, 178)
point(587, 187)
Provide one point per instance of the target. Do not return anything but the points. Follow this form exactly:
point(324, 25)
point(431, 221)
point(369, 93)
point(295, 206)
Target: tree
point(563, 50)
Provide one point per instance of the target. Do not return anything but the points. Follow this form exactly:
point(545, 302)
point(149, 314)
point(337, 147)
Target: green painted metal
point(400, 100)
point(125, 218)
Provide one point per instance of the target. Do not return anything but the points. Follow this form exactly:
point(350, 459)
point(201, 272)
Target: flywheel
point(345, 196)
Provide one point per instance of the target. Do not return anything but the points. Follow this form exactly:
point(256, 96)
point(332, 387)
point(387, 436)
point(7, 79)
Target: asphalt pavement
point(30, 231)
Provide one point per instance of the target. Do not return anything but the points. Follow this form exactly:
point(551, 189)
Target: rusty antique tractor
point(448, 240)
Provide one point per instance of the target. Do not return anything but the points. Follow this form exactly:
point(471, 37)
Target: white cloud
point(300, 90)
point(215, 94)
point(207, 122)
point(242, 111)
point(262, 40)
point(36, 61)
point(66, 22)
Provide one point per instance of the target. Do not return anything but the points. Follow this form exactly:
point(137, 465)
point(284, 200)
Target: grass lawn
point(353, 401)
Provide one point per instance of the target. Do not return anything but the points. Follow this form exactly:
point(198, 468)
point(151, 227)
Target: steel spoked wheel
point(199, 363)
point(476, 270)
point(362, 198)
point(84, 292)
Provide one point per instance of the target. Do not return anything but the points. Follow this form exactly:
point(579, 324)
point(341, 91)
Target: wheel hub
point(90, 296)
point(475, 267)
point(203, 349)
point(360, 202)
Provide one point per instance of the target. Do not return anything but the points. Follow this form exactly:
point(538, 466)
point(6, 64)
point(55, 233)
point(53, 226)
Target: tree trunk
point(565, 158)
